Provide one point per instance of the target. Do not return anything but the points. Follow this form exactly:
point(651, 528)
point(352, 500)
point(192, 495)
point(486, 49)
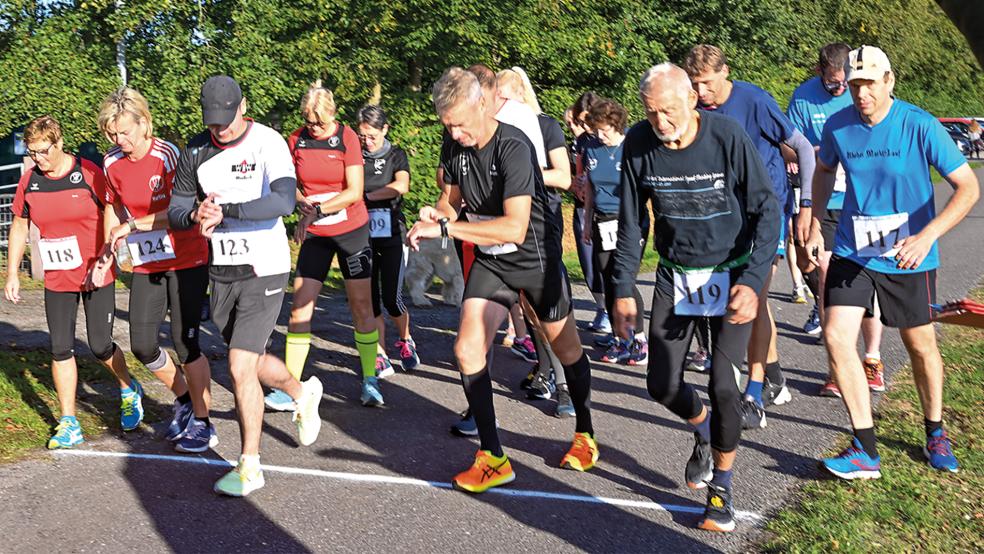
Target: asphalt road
point(377, 479)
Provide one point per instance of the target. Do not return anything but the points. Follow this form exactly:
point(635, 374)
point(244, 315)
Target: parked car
point(959, 130)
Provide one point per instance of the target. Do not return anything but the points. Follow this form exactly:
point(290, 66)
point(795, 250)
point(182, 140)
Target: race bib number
point(380, 223)
point(609, 234)
point(60, 254)
point(875, 236)
point(335, 218)
point(150, 246)
point(240, 247)
point(701, 293)
point(496, 249)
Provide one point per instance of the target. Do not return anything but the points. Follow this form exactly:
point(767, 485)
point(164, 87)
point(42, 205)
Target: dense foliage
point(60, 57)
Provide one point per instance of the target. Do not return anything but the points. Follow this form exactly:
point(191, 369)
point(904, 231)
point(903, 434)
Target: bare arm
point(354, 184)
point(16, 243)
point(560, 176)
point(823, 186)
point(510, 227)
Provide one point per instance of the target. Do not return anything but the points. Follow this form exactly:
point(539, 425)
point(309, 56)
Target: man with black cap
point(242, 176)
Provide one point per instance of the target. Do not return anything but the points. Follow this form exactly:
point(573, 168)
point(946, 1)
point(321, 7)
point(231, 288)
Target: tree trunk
point(969, 19)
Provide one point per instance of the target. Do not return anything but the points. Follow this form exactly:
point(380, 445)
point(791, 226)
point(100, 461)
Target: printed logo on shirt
point(333, 141)
point(155, 183)
point(493, 171)
point(301, 143)
point(244, 169)
point(35, 186)
point(75, 178)
point(618, 167)
point(463, 161)
point(872, 153)
point(592, 164)
point(378, 165)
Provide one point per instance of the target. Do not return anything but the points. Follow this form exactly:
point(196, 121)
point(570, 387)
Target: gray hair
point(670, 74)
point(455, 86)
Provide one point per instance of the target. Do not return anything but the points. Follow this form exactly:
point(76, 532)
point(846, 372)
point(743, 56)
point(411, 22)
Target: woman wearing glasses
point(334, 221)
point(63, 196)
point(387, 179)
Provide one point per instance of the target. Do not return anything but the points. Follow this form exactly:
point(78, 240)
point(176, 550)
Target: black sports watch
point(806, 203)
point(443, 222)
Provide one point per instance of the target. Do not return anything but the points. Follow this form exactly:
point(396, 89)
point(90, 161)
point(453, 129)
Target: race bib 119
point(701, 293)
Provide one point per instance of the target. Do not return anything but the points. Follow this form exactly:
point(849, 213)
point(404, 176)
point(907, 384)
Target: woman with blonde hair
point(334, 221)
point(170, 267)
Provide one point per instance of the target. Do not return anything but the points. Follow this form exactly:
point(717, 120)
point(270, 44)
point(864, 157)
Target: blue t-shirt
point(763, 120)
point(887, 173)
point(604, 167)
point(809, 108)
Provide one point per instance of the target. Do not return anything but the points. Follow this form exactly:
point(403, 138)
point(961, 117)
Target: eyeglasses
point(34, 154)
point(834, 85)
point(315, 123)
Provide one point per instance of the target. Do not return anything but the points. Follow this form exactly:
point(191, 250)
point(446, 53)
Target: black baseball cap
point(220, 98)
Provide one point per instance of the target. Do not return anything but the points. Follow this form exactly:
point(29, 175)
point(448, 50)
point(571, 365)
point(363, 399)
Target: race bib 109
point(380, 223)
point(150, 246)
point(701, 293)
point(60, 254)
point(875, 236)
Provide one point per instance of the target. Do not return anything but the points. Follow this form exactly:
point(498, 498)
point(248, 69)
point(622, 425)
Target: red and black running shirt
point(62, 207)
point(144, 187)
point(320, 165)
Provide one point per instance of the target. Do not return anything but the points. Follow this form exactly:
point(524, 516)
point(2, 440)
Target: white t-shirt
point(521, 116)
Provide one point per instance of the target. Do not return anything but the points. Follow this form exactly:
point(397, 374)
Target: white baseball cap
point(868, 62)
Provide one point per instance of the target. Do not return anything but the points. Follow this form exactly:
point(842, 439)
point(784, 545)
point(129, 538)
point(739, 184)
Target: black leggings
point(584, 253)
point(151, 295)
point(389, 259)
point(61, 308)
point(604, 281)
point(669, 340)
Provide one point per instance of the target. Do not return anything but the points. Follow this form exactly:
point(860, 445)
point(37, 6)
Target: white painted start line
point(407, 481)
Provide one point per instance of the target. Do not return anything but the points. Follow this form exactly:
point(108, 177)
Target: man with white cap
point(242, 175)
point(885, 246)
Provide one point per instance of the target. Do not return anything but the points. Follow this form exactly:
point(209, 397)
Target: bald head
point(662, 77)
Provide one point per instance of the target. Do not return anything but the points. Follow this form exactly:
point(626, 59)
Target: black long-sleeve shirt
point(712, 201)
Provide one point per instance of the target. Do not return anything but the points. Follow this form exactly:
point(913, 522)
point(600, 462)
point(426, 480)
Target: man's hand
point(913, 249)
point(742, 304)
point(11, 290)
point(429, 214)
point(804, 223)
point(306, 207)
point(300, 232)
point(422, 230)
point(624, 318)
point(814, 246)
point(209, 215)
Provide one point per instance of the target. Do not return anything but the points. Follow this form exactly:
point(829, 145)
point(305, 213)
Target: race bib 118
point(60, 254)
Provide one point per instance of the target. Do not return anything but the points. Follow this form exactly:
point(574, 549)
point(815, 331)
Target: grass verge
point(29, 406)
point(912, 507)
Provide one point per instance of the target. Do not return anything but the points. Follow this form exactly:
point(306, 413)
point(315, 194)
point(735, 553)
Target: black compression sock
point(812, 280)
point(478, 391)
point(932, 426)
point(204, 420)
point(867, 439)
point(184, 398)
point(774, 373)
point(579, 384)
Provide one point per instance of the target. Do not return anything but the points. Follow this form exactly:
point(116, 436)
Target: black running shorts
point(903, 298)
point(352, 248)
point(549, 292)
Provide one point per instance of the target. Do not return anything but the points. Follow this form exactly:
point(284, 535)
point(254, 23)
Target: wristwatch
point(443, 222)
point(132, 224)
point(806, 203)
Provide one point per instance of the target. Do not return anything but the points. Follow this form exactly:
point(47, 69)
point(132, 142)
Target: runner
point(885, 247)
point(601, 161)
point(63, 196)
point(769, 128)
point(241, 173)
point(716, 230)
point(328, 158)
point(492, 170)
point(811, 105)
point(170, 268)
point(387, 179)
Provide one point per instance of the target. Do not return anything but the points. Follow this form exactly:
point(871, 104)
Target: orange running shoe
point(488, 471)
point(830, 389)
point(874, 370)
point(583, 453)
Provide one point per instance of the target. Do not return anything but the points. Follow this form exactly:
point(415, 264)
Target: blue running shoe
point(131, 406)
point(279, 401)
point(467, 427)
point(408, 354)
point(384, 368)
point(198, 437)
point(601, 324)
point(854, 463)
point(617, 353)
point(370, 392)
point(939, 452)
point(638, 353)
point(605, 341)
point(68, 433)
point(182, 415)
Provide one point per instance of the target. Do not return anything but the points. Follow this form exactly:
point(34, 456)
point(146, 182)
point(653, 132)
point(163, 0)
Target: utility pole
point(121, 49)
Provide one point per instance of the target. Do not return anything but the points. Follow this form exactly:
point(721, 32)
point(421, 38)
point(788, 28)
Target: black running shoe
point(719, 514)
point(752, 415)
point(775, 394)
point(700, 465)
point(542, 388)
point(565, 407)
point(527, 382)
